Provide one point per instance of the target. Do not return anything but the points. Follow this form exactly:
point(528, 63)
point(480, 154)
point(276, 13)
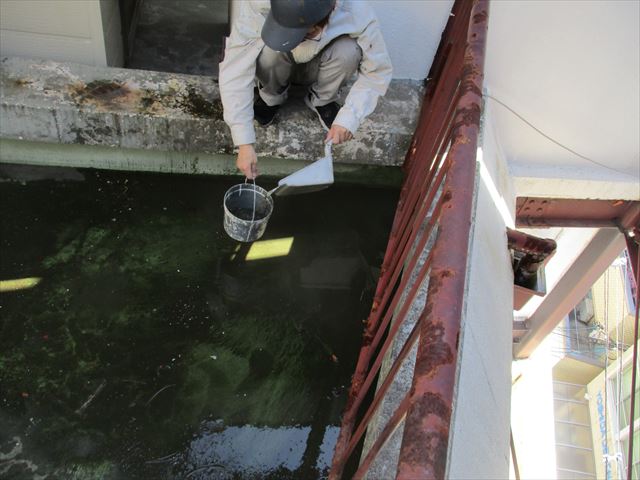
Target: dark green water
point(152, 348)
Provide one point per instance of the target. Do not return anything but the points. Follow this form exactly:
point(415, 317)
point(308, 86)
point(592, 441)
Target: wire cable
point(548, 137)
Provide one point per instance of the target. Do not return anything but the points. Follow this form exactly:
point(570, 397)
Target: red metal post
point(426, 433)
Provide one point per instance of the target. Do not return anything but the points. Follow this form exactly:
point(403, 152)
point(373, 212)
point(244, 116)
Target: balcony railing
point(434, 209)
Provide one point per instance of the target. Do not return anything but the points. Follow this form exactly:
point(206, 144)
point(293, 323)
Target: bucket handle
point(247, 181)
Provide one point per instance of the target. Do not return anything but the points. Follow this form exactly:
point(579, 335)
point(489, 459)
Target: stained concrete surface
point(180, 37)
point(69, 103)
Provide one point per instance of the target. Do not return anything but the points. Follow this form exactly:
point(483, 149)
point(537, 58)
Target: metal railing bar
point(428, 165)
point(428, 182)
point(428, 419)
point(419, 140)
point(426, 234)
point(453, 43)
point(409, 204)
point(382, 390)
point(371, 340)
point(376, 313)
point(383, 437)
point(364, 376)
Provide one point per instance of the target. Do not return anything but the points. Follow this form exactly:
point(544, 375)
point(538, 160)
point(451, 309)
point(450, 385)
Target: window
point(574, 448)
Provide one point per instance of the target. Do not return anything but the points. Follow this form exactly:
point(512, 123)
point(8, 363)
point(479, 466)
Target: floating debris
point(91, 398)
point(159, 392)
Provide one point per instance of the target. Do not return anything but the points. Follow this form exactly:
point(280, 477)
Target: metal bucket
point(247, 208)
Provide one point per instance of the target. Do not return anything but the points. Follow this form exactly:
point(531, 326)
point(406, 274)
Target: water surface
point(139, 341)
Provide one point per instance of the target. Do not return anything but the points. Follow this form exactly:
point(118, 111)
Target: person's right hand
point(247, 161)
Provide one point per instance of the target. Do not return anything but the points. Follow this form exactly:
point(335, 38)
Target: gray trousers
point(324, 74)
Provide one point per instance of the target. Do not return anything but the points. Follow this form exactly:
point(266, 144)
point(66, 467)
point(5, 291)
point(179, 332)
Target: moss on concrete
point(198, 106)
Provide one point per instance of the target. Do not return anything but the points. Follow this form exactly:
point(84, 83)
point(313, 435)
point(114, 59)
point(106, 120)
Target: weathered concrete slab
point(26, 152)
point(78, 104)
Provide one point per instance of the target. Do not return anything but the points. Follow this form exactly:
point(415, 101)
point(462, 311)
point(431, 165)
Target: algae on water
point(149, 330)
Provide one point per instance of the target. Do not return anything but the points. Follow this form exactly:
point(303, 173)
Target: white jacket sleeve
point(237, 73)
point(373, 77)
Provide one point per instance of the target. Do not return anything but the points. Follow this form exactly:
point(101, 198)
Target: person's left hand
point(338, 134)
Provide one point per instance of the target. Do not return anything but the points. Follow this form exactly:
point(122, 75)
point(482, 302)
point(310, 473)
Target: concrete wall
point(479, 446)
point(65, 30)
point(88, 31)
point(112, 32)
point(412, 30)
point(532, 413)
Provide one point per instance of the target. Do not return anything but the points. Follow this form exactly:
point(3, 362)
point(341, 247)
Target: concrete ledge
point(129, 159)
point(69, 103)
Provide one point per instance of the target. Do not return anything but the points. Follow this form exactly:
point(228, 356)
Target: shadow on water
point(154, 346)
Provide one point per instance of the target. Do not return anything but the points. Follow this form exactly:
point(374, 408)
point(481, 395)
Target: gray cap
point(290, 20)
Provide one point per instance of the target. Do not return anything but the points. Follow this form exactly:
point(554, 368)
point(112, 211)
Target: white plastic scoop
point(311, 178)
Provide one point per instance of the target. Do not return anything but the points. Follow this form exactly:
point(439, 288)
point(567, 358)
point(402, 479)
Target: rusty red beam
point(426, 433)
point(523, 242)
point(563, 212)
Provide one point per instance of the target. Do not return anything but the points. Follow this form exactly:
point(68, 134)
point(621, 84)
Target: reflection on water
point(248, 449)
point(156, 347)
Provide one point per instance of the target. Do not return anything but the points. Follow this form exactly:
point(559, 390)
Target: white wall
point(572, 69)
point(479, 447)
point(532, 414)
point(112, 32)
point(411, 30)
point(62, 30)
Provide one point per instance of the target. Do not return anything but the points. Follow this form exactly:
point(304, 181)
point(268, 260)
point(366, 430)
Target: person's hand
point(338, 134)
point(247, 161)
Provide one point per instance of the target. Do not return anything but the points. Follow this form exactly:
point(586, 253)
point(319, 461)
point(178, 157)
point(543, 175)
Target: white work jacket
point(237, 72)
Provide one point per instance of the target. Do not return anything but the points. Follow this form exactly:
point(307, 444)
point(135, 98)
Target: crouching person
point(318, 43)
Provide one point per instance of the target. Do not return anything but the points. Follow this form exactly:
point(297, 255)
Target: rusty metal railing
point(435, 202)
